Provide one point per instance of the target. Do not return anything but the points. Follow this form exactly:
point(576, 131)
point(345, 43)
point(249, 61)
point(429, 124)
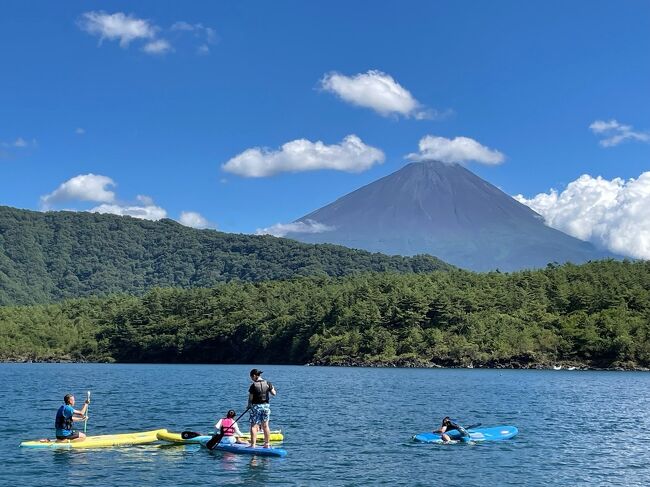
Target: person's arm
point(272, 389)
point(237, 430)
point(218, 425)
point(441, 430)
point(78, 415)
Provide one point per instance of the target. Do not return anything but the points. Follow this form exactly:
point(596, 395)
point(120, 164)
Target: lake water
point(343, 426)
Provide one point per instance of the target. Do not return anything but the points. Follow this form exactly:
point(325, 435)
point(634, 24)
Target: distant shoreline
point(560, 366)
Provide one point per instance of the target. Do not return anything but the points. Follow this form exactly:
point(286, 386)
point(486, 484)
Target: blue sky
point(156, 97)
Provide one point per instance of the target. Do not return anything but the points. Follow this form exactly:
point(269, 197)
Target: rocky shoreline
point(398, 363)
point(495, 365)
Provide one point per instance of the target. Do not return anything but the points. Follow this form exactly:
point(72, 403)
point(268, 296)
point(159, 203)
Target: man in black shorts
point(65, 417)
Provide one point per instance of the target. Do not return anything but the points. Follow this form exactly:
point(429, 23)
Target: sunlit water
point(343, 426)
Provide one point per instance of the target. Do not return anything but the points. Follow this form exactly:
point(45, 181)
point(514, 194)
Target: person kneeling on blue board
point(66, 416)
point(228, 427)
point(449, 425)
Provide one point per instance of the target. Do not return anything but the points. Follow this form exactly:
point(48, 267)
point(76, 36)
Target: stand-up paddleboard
point(102, 441)
point(276, 437)
point(246, 450)
point(493, 433)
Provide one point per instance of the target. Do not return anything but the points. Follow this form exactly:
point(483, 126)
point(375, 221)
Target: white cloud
point(615, 133)
point(117, 26)
point(375, 90)
point(85, 187)
point(351, 155)
point(79, 131)
point(611, 214)
point(194, 220)
point(459, 149)
point(145, 211)
point(158, 46)
point(199, 30)
point(19, 143)
point(282, 229)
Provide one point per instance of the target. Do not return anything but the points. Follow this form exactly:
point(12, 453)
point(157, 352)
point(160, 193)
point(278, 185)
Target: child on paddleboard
point(230, 430)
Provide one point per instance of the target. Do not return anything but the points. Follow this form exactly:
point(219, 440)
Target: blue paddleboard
point(493, 433)
point(245, 449)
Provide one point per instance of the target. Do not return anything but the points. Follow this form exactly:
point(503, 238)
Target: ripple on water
point(343, 426)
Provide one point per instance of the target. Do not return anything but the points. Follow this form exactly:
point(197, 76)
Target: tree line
point(51, 256)
point(596, 314)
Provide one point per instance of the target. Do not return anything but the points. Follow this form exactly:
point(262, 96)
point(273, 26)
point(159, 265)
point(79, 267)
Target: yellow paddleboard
point(102, 441)
point(165, 435)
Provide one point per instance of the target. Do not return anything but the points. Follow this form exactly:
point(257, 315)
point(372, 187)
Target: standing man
point(65, 417)
point(258, 402)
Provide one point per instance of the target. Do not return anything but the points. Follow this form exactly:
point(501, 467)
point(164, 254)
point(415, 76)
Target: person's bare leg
point(267, 434)
point(82, 437)
point(253, 435)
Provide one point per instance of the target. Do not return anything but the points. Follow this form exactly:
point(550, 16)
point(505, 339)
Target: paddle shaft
point(87, 408)
point(216, 439)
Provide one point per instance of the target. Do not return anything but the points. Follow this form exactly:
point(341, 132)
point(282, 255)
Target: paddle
point(214, 441)
point(88, 407)
point(186, 435)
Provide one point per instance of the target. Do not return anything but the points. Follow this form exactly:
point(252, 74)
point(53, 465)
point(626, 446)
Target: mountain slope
point(56, 255)
point(447, 211)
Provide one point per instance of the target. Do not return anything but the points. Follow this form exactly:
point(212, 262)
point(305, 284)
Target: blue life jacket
point(61, 422)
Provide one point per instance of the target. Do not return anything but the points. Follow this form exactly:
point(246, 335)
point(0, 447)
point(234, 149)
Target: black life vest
point(61, 422)
point(260, 390)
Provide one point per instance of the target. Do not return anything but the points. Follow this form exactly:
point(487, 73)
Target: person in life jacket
point(229, 429)
point(449, 425)
point(66, 416)
point(258, 402)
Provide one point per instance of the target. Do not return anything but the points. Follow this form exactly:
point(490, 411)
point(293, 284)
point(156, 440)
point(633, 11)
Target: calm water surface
point(343, 426)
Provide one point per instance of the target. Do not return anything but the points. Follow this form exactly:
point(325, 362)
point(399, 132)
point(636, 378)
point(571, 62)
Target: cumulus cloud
point(85, 187)
point(459, 149)
point(117, 26)
point(200, 31)
point(611, 214)
point(194, 220)
point(351, 155)
point(614, 133)
point(158, 46)
point(126, 29)
point(19, 143)
point(282, 229)
point(144, 212)
point(94, 188)
point(377, 91)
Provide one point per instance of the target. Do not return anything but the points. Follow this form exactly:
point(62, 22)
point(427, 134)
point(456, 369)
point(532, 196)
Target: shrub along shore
point(595, 315)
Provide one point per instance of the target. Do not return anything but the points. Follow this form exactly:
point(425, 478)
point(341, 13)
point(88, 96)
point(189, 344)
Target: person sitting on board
point(449, 425)
point(66, 416)
point(258, 402)
point(230, 429)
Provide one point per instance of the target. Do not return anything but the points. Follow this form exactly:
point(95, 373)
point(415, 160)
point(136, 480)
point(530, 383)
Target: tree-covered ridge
point(596, 314)
point(57, 255)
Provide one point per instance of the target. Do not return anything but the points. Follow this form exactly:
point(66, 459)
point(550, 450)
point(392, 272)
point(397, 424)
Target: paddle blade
point(214, 441)
point(186, 435)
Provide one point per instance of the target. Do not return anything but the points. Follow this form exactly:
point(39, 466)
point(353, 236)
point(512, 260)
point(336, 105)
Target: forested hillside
point(596, 314)
point(51, 256)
